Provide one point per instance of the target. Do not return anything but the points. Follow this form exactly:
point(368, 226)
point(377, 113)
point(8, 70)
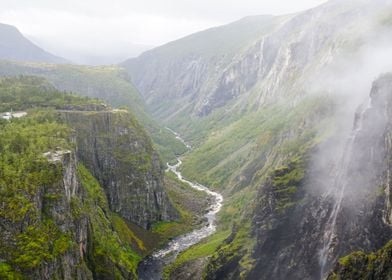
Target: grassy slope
point(23, 174)
point(108, 83)
point(189, 202)
point(212, 50)
point(238, 157)
point(115, 241)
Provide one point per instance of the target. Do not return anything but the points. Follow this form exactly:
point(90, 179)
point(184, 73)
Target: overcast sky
point(125, 27)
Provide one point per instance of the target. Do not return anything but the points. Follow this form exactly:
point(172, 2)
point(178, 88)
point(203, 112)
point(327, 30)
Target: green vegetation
point(26, 92)
point(237, 158)
point(233, 152)
point(23, 167)
point(201, 250)
point(286, 181)
point(24, 174)
point(126, 234)
point(234, 251)
point(35, 208)
point(108, 83)
point(189, 203)
point(111, 254)
point(360, 265)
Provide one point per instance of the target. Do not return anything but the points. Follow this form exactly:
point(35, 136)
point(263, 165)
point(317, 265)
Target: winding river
point(151, 268)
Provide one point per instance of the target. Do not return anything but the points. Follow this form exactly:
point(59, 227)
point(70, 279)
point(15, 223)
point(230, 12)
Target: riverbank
point(152, 267)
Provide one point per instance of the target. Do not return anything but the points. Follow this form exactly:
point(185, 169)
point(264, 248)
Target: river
point(151, 268)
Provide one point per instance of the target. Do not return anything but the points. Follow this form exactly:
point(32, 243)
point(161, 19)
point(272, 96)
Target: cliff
point(317, 208)
point(250, 63)
point(73, 184)
point(374, 194)
point(117, 151)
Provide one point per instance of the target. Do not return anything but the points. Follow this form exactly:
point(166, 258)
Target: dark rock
point(119, 154)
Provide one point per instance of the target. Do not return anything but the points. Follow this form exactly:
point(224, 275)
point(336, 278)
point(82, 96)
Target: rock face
point(74, 223)
point(54, 204)
point(369, 227)
point(360, 265)
point(201, 70)
point(71, 264)
point(302, 227)
point(75, 179)
point(304, 222)
point(119, 154)
point(249, 63)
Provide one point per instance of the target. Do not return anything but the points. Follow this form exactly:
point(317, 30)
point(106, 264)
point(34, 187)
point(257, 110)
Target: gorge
point(260, 149)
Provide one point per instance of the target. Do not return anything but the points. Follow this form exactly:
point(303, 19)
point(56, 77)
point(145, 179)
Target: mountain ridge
point(14, 46)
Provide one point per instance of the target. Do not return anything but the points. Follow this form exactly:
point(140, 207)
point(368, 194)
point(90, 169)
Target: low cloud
point(71, 28)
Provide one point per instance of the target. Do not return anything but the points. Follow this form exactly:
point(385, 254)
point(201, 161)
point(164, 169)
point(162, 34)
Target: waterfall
point(337, 192)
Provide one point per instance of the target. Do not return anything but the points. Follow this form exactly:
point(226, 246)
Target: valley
point(152, 267)
point(259, 149)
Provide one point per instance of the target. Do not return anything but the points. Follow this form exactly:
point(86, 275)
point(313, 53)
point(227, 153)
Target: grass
point(111, 84)
point(110, 245)
point(189, 203)
point(204, 249)
point(201, 250)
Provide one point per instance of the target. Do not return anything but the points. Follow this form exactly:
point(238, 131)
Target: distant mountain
point(14, 46)
point(268, 104)
point(251, 62)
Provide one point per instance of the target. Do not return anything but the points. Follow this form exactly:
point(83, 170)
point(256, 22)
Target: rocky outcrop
point(49, 243)
point(57, 220)
point(119, 154)
point(309, 213)
point(200, 72)
point(360, 265)
point(348, 211)
point(71, 264)
point(369, 194)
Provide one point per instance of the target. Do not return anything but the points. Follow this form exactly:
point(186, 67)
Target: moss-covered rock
point(362, 266)
point(117, 151)
point(58, 220)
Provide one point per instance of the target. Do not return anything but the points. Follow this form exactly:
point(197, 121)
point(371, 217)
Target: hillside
point(109, 83)
point(14, 46)
point(269, 112)
point(83, 192)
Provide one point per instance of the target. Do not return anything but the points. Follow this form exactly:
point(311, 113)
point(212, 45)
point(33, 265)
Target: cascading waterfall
point(337, 192)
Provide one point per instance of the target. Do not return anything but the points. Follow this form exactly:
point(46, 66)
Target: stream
point(151, 268)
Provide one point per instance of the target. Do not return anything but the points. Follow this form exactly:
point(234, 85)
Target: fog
point(349, 80)
point(108, 32)
point(347, 165)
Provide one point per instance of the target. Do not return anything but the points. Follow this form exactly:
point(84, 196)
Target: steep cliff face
point(40, 237)
point(309, 214)
point(250, 63)
point(197, 66)
point(57, 201)
point(58, 220)
point(248, 149)
point(108, 83)
point(120, 155)
point(369, 227)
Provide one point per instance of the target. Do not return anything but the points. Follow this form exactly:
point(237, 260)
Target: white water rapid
point(152, 267)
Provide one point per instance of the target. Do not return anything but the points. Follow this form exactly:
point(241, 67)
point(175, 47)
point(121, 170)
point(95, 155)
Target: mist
point(89, 32)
